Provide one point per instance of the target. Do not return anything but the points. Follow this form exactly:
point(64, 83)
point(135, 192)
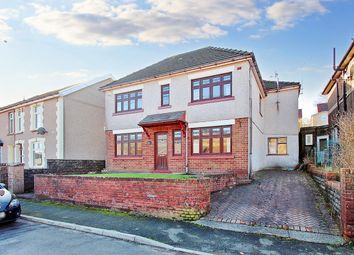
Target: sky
point(55, 43)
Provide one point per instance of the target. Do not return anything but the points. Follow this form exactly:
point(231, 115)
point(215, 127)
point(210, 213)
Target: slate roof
point(180, 62)
point(163, 118)
point(271, 85)
point(34, 98)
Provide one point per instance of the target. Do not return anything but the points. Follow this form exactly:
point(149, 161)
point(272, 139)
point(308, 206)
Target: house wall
point(49, 120)
point(282, 122)
point(83, 134)
point(180, 92)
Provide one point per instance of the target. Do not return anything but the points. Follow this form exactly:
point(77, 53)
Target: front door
point(161, 151)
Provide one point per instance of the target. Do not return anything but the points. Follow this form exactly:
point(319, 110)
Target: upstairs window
point(11, 122)
point(213, 87)
point(165, 95)
point(37, 116)
point(19, 121)
point(129, 144)
point(211, 140)
point(277, 146)
point(130, 101)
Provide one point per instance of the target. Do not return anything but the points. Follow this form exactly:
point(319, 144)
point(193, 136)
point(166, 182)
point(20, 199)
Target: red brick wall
point(237, 162)
point(169, 198)
point(347, 203)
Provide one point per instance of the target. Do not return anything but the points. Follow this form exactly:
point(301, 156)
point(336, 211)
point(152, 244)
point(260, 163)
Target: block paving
point(276, 198)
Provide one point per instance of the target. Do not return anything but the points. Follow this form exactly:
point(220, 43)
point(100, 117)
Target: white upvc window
point(11, 123)
point(309, 139)
point(37, 153)
point(37, 116)
point(19, 152)
point(20, 122)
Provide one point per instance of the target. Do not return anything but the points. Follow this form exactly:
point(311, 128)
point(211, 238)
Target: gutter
point(250, 138)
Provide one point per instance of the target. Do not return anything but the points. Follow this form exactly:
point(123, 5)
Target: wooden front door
point(161, 151)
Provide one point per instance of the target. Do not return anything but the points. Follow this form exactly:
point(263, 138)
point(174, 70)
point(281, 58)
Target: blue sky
point(55, 43)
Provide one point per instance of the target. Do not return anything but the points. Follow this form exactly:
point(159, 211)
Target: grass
point(140, 175)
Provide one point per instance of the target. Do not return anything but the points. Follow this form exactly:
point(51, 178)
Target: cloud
point(5, 16)
point(100, 22)
point(285, 13)
point(72, 76)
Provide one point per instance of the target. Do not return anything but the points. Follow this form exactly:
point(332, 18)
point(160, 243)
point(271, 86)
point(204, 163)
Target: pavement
point(280, 199)
point(179, 234)
point(29, 238)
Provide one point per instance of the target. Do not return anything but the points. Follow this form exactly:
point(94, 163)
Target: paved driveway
point(276, 198)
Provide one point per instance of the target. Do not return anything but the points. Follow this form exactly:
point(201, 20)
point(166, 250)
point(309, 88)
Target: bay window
point(213, 87)
point(129, 101)
point(211, 140)
point(129, 144)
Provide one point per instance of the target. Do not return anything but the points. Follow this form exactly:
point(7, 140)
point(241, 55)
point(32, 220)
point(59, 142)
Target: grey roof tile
point(163, 118)
point(196, 58)
point(270, 85)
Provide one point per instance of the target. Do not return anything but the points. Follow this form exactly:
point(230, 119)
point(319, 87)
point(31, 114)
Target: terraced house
point(204, 111)
point(62, 124)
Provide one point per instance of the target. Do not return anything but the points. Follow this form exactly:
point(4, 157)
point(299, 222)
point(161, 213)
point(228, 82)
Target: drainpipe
point(186, 167)
point(250, 138)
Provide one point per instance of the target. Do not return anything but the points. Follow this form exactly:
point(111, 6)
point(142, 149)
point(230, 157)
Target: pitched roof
point(59, 92)
point(342, 65)
point(34, 98)
point(181, 62)
point(163, 118)
point(322, 107)
point(272, 85)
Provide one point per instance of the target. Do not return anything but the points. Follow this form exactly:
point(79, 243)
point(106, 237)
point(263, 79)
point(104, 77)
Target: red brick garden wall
point(347, 202)
point(237, 162)
point(168, 198)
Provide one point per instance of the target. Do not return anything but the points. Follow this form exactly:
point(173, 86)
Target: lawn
point(141, 175)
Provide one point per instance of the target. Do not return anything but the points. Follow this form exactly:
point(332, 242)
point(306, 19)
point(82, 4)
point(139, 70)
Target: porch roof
point(163, 119)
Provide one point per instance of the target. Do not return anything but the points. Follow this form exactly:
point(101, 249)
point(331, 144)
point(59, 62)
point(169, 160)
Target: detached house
point(62, 124)
point(204, 111)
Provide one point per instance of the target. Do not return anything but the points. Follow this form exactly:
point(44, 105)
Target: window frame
point(211, 85)
point(32, 151)
point(129, 141)
point(173, 142)
point(277, 144)
point(165, 93)
point(311, 142)
point(37, 116)
point(11, 119)
point(136, 98)
point(210, 137)
point(19, 115)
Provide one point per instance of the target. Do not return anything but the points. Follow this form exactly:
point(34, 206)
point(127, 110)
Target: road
point(29, 238)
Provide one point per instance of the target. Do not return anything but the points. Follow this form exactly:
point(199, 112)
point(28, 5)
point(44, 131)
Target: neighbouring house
point(204, 111)
point(340, 91)
point(65, 124)
point(314, 137)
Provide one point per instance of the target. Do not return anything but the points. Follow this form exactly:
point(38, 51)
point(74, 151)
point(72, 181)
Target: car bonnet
point(4, 199)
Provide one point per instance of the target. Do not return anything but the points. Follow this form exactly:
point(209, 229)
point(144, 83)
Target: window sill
point(177, 157)
point(221, 156)
point(164, 107)
point(128, 157)
point(277, 154)
point(216, 100)
point(127, 112)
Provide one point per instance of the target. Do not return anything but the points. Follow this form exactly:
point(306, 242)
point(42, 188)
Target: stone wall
point(60, 166)
point(3, 174)
point(328, 183)
point(187, 199)
point(347, 202)
point(16, 178)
